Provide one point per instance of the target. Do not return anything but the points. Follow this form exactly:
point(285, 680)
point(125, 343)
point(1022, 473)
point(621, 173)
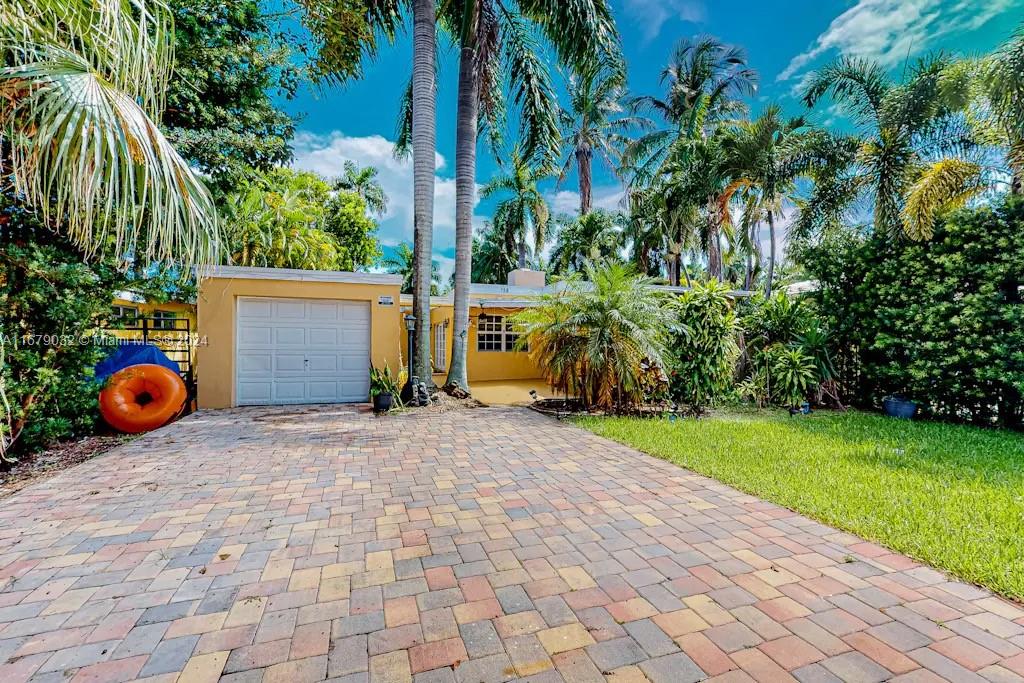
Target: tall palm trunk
point(584, 160)
point(465, 188)
point(771, 256)
point(424, 148)
point(714, 245)
point(522, 252)
point(755, 258)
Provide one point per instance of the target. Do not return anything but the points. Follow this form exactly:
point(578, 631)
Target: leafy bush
point(53, 306)
point(703, 349)
point(794, 373)
point(290, 219)
point(941, 322)
point(599, 337)
point(787, 357)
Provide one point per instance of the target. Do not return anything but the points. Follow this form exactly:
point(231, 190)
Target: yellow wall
point(176, 339)
point(482, 366)
point(181, 309)
point(216, 303)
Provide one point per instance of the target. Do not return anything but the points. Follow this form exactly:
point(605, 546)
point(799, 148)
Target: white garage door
point(302, 351)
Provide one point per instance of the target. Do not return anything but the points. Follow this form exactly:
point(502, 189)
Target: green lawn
point(948, 495)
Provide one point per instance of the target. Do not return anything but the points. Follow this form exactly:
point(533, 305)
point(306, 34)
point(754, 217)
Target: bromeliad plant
point(598, 338)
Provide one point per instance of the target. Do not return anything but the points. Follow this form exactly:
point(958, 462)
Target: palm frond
point(83, 149)
point(858, 83)
point(944, 185)
point(531, 88)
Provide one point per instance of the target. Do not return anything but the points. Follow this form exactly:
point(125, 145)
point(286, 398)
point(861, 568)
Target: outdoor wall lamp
point(410, 328)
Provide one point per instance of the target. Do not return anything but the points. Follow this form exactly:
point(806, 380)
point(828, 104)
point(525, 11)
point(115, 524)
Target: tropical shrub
point(794, 373)
point(940, 322)
point(787, 357)
point(289, 219)
point(599, 336)
point(703, 345)
point(53, 307)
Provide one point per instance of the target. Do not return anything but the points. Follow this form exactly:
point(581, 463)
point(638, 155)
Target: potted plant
point(383, 389)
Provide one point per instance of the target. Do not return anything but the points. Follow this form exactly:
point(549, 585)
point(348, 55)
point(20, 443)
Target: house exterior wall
point(481, 366)
point(217, 305)
point(180, 309)
point(174, 341)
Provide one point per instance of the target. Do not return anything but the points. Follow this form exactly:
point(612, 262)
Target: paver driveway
point(476, 546)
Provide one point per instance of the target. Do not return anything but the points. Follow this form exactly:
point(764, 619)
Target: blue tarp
point(128, 353)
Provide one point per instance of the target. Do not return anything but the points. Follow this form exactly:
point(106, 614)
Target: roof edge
point(295, 274)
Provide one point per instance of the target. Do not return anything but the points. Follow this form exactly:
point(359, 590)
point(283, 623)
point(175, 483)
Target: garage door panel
point(323, 391)
point(289, 363)
point(355, 390)
point(254, 392)
point(255, 362)
point(255, 308)
point(289, 390)
point(256, 335)
point(325, 363)
point(353, 363)
point(290, 310)
point(294, 351)
point(319, 336)
point(323, 311)
point(290, 336)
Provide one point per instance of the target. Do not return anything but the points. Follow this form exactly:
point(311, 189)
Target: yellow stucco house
point(275, 336)
point(170, 325)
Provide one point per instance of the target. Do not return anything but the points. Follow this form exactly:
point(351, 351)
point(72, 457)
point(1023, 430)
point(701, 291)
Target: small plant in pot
point(383, 389)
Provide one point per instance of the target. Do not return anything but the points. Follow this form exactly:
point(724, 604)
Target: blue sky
point(784, 39)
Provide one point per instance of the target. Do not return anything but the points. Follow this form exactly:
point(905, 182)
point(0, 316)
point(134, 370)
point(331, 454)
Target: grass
point(948, 495)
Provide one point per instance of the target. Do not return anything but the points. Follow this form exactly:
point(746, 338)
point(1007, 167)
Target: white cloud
point(608, 198)
point(326, 154)
point(652, 15)
point(891, 30)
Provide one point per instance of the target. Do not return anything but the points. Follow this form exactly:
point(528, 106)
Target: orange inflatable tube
point(141, 398)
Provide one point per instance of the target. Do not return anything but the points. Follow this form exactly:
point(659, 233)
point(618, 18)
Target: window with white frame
point(496, 333)
point(441, 346)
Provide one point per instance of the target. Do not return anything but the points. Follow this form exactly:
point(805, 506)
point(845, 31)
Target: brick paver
point(465, 547)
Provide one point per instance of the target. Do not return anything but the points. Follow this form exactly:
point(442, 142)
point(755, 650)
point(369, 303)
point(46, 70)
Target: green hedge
point(940, 322)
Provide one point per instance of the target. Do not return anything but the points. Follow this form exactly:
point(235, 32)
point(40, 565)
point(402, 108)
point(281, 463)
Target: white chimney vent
point(524, 277)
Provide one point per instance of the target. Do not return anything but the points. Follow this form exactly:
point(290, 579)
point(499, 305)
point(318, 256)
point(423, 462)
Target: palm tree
point(599, 337)
point(496, 38)
point(84, 84)
point(403, 262)
point(593, 124)
point(523, 213)
point(704, 82)
point(913, 157)
point(424, 150)
point(492, 262)
point(363, 182)
point(764, 157)
point(594, 236)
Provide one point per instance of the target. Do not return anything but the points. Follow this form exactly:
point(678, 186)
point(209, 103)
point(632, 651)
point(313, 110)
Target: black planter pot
point(382, 403)
point(897, 406)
